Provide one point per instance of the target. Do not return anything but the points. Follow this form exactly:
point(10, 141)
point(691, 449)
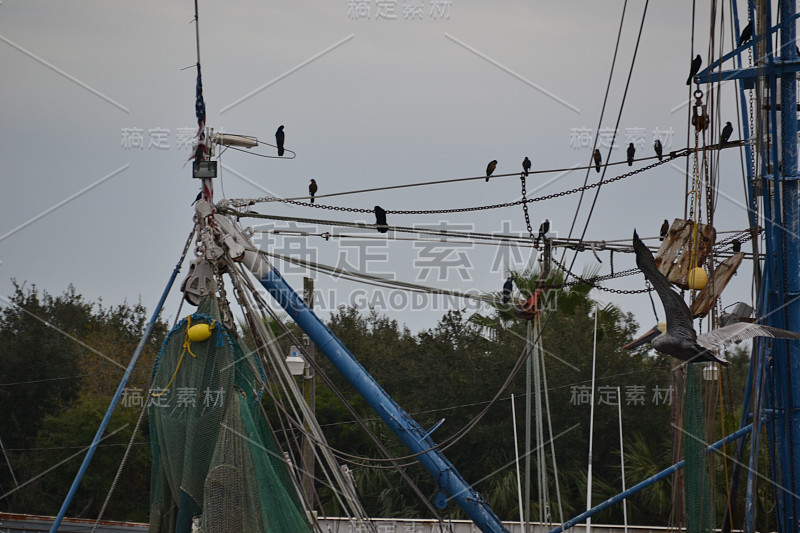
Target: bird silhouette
point(736, 246)
point(508, 286)
point(694, 69)
point(380, 219)
point(726, 134)
point(597, 159)
point(544, 229)
point(526, 166)
point(631, 153)
point(490, 168)
point(678, 337)
point(659, 149)
point(664, 230)
point(197, 199)
point(279, 138)
point(747, 33)
point(312, 189)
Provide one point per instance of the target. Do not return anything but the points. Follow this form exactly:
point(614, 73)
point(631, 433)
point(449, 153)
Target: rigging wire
point(248, 152)
point(600, 120)
point(619, 117)
point(246, 202)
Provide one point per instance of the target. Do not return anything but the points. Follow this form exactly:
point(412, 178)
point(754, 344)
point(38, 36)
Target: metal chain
point(525, 210)
point(672, 156)
point(593, 282)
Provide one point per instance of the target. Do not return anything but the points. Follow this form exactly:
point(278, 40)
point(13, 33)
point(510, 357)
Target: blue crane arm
point(413, 436)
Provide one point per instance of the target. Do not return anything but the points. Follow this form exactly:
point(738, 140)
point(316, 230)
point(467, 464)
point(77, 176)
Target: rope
point(186, 348)
point(121, 466)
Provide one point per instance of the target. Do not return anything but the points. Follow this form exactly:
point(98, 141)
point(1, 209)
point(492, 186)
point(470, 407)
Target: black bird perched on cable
point(279, 138)
point(526, 166)
point(544, 229)
point(726, 134)
point(694, 69)
point(490, 168)
point(678, 337)
point(747, 33)
point(508, 286)
point(380, 219)
point(598, 159)
point(659, 149)
point(664, 230)
point(631, 153)
point(736, 246)
point(312, 189)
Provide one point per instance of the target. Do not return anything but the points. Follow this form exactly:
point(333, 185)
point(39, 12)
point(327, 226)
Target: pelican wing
point(740, 331)
point(679, 318)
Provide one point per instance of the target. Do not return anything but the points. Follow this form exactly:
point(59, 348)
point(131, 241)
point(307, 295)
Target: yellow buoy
point(697, 278)
point(199, 332)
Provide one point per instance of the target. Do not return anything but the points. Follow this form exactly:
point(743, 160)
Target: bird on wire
point(598, 159)
point(677, 337)
point(631, 154)
point(726, 134)
point(490, 168)
point(747, 33)
point(508, 286)
point(694, 68)
point(312, 189)
point(544, 229)
point(526, 166)
point(659, 149)
point(736, 246)
point(279, 139)
point(664, 230)
point(380, 219)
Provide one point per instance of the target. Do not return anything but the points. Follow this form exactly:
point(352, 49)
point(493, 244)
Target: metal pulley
point(700, 118)
point(199, 281)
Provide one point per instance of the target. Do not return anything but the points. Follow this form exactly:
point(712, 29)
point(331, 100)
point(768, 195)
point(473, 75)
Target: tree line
point(63, 357)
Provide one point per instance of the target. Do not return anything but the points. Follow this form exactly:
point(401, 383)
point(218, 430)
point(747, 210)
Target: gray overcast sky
point(434, 95)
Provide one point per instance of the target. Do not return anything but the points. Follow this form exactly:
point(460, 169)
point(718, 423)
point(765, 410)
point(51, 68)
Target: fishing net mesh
point(216, 466)
point(697, 496)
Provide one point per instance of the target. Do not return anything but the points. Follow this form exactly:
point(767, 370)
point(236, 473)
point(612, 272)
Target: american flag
point(199, 104)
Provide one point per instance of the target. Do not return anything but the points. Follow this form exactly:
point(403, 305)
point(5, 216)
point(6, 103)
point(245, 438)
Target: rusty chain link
point(593, 282)
point(525, 211)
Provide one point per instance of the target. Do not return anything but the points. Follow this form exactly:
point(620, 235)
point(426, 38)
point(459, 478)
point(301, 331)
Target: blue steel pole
point(107, 418)
point(790, 365)
point(646, 483)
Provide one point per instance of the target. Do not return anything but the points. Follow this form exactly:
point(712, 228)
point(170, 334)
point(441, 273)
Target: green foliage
point(462, 370)
point(58, 376)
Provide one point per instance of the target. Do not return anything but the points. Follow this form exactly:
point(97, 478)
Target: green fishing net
point(216, 466)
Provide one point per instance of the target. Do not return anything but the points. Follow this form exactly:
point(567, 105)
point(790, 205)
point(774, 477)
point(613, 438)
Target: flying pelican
point(677, 337)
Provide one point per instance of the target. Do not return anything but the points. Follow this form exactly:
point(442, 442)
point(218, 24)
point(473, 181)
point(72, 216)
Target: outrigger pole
point(451, 485)
point(123, 382)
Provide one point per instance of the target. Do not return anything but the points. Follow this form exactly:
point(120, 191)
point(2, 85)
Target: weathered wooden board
point(677, 253)
point(716, 284)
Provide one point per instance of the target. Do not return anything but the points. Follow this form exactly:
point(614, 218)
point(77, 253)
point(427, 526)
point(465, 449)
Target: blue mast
point(784, 373)
point(775, 77)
